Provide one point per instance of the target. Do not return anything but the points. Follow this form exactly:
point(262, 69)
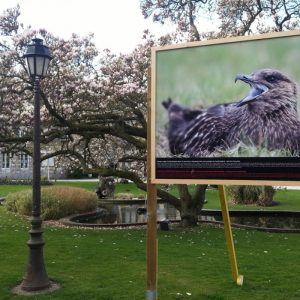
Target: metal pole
point(36, 277)
point(229, 239)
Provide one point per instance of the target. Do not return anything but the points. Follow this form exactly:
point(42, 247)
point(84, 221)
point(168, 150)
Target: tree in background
point(231, 17)
point(185, 14)
point(93, 104)
point(257, 16)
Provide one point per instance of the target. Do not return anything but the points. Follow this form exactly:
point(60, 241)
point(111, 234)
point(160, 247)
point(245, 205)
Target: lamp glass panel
point(39, 65)
point(46, 65)
point(30, 65)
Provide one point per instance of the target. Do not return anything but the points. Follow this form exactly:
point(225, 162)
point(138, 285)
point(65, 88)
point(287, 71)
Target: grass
point(287, 199)
point(6, 189)
point(89, 185)
point(192, 264)
point(120, 188)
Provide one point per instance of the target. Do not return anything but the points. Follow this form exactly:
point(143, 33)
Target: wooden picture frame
point(184, 71)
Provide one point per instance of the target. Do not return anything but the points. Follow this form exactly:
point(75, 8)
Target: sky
point(117, 24)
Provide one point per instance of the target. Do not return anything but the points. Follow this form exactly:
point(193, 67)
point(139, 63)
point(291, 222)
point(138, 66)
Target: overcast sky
point(117, 24)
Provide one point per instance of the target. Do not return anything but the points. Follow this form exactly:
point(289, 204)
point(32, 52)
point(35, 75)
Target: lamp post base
point(30, 284)
point(36, 277)
point(34, 286)
point(52, 288)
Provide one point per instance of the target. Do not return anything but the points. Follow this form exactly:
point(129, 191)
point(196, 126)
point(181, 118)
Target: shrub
point(14, 200)
point(57, 202)
point(259, 195)
point(244, 194)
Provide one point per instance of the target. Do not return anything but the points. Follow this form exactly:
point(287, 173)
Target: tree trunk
point(191, 205)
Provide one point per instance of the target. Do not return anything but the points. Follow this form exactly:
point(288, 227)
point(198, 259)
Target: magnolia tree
point(231, 17)
point(93, 104)
point(84, 98)
point(90, 103)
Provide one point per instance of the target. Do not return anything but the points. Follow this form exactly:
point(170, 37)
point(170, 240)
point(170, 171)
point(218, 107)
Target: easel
point(151, 291)
point(152, 241)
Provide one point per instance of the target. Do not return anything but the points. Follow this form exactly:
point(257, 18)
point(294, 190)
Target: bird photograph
point(234, 100)
point(266, 117)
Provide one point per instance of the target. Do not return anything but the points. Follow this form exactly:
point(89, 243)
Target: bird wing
point(195, 132)
point(199, 137)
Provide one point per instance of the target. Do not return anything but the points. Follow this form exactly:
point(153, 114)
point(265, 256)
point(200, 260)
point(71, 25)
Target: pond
point(275, 221)
point(135, 212)
point(129, 214)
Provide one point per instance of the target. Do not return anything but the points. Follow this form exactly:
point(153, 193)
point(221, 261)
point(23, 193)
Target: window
point(24, 161)
point(5, 160)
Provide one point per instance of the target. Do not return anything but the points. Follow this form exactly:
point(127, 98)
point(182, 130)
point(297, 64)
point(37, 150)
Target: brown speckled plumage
point(266, 117)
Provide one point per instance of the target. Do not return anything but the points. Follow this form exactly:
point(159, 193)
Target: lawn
point(192, 264)
point(89, 185)
point(287, 199)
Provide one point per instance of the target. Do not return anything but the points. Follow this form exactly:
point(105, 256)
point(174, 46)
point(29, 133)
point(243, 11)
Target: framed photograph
point(227, 111)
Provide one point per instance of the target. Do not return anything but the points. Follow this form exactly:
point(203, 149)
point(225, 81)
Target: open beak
point(256, 90)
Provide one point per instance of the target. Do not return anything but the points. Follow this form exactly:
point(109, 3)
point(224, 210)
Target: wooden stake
point(229, 239)
point(151, 212)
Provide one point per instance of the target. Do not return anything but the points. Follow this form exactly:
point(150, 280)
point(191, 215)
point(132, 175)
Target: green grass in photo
point(204, 76)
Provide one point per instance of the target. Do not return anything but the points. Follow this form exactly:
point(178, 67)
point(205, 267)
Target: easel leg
point(151, 243)
point(229, 239)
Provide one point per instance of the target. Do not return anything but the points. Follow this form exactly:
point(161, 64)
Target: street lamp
point(37, 59)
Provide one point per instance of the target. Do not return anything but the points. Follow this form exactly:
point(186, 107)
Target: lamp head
point(37, 58)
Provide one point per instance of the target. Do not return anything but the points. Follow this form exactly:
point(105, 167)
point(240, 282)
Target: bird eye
point(271, 78)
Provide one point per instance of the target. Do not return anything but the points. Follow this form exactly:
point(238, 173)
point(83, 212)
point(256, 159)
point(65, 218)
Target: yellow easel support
point(229, 239)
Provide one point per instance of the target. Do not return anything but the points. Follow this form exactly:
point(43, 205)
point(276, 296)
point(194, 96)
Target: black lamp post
point(37, 58)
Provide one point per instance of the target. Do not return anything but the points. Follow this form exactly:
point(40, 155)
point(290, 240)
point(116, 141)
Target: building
point(19, 166)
